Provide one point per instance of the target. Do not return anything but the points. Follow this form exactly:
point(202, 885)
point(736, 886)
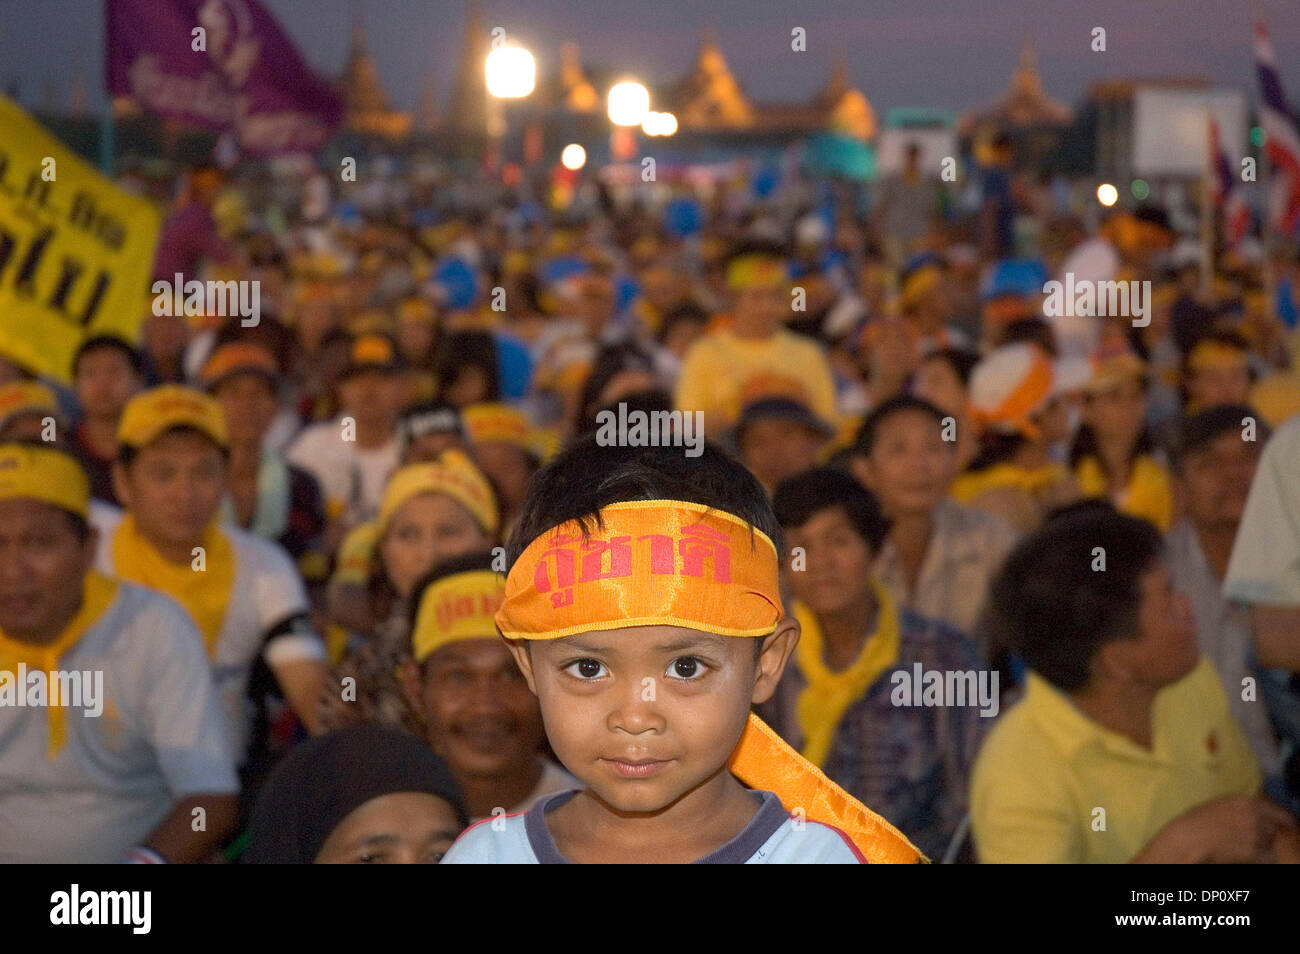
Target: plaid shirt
point(911, 765)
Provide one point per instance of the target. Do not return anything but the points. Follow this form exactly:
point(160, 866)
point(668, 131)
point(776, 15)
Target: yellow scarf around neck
point(1147, 495)
point(96, 595)
point(204, 593)
point(823, 701)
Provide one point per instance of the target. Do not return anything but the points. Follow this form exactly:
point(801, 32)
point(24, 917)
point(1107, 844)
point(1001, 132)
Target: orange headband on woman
point(674, 563)
point(655, 563)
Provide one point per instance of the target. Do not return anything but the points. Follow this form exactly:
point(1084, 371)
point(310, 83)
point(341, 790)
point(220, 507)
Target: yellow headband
point(457, 607)
point(756, 271)
point(655, 563)
point(918, 283)
point(26, 397)
point(1208, 355)
point(451, 474)
point(50, 476)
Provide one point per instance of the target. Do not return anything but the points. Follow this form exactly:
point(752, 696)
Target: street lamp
point(659, 124)
point(628, 103)
point(511, 72)
point(1107, 194)
point(574, 157)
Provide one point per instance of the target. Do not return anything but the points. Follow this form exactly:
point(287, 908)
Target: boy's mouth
point(638, 768)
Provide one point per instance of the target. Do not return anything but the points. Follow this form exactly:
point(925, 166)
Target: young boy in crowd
point(643, 610)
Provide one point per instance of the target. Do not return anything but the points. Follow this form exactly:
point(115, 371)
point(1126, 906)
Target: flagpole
point(1207, 209)
point(107, 146)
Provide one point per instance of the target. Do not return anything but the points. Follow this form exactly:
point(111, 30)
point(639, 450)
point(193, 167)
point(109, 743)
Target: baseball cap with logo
point(152, 413)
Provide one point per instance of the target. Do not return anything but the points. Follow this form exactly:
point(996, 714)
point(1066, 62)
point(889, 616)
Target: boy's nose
point(638, 709)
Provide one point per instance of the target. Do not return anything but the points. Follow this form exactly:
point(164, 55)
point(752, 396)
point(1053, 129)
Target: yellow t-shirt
point(723, 373)
point(1050, 785)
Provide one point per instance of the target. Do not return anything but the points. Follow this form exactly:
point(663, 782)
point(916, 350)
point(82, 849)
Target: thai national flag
point(1282, 142)
point(1236, 217)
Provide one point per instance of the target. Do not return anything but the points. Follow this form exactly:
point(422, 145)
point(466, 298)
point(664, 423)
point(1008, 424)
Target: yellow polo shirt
point(1047, 768)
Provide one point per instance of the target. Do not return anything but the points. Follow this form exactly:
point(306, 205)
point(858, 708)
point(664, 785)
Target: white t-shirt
point(1265, 563)
point(158, 738)
point(350, 477)
point(265, 594)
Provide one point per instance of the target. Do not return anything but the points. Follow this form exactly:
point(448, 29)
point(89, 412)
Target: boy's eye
point(687, 667)
point(586, 668)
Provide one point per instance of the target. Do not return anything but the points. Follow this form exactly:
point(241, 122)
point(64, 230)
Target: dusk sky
point(900, 52)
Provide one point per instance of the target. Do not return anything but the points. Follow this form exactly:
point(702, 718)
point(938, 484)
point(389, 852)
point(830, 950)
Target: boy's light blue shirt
point(772, 837)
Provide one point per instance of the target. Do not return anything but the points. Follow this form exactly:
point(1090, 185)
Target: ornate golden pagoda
point(845, 107)
point(710, 97)
point(1023, 105)
point(579, 96)
point(367, 108)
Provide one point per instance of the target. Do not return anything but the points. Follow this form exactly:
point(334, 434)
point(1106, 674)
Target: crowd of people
point(290, 547)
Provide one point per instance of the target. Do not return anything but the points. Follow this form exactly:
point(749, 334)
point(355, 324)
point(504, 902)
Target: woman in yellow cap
point(1112, 453)
point(430, 512)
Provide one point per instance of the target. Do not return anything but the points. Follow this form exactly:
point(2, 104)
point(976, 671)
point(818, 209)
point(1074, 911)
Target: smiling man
point(464, 686)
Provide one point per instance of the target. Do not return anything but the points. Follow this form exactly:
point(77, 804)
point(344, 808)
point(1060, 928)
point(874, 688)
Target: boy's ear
point(777, 649)
point(523, 659)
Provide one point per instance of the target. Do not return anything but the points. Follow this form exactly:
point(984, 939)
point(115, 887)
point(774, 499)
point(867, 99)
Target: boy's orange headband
point(654, 563)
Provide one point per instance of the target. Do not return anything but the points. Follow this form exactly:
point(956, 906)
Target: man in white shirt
point(353, 455)
point(242, 592)
point(123, 766)
point(1264, 571)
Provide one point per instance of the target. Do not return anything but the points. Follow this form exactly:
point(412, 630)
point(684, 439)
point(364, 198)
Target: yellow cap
point(452, 474)
point(494, 421)
point(159, 409)
point(40, 473)
point(457, 607)
point(26, 397)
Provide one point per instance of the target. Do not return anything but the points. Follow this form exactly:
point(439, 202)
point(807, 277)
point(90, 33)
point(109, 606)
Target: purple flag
point(248, 79)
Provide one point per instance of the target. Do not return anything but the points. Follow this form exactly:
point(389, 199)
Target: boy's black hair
point(112, 343)
point(1054, 610)
point(587, 477)
point(868, 433)
point(797, 499)
point(481, 560)
point(1198, 431)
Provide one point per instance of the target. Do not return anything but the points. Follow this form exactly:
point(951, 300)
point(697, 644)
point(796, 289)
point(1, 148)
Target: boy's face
point(648, 714)
point(1215, 480)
